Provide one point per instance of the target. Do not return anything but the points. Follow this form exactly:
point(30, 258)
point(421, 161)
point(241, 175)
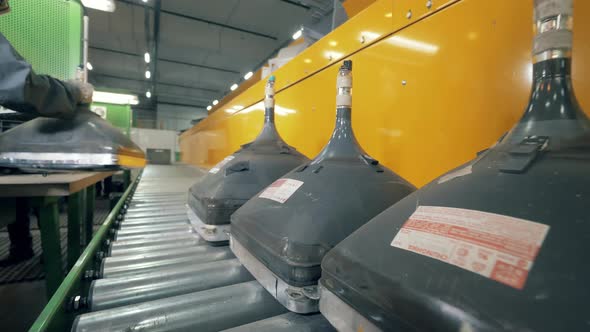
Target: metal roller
point(143, 219)
point(140, 243)
point(157, 202)
point(153, 236)
point(155, 213)
point(126, 266)
point(211, 310)
point(167, 206)
point(162, 283)
point(151, 230)
point(148, 225)
point(123, 260)
point(290, 322)
point(143, 198)
point(170, 245)
point(163, 204)
point(154, 221)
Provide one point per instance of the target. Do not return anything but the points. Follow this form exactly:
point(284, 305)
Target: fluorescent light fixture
point(238, 107)
point(148, 74)
point(248, 75)
point(145, 1)
point(147, 57)
point(413, 45)
point(209, 108)
point(215, 102)
point(233, 87)
point(148, 94)
point(89, 66)
point(297, 34)
point(114, 98)
point(104, 5)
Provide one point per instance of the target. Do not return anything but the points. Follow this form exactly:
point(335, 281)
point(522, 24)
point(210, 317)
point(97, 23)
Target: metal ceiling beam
point(189, 87)
point(200, 66)
point(222, 25)
point(296, 4)
point(158, 83)
point(202, 20)
point(181, 104)
point(165, 60)
point(157, 11)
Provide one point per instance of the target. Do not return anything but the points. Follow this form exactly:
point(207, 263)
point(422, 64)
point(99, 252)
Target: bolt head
point(409, 14)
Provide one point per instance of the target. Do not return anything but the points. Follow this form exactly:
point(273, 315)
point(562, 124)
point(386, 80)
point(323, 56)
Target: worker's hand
point(83, 91)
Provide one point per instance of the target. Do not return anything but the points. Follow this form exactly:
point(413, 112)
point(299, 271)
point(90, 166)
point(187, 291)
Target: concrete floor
point(20, 304)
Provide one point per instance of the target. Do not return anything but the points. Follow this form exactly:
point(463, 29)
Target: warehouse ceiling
point(198, 48)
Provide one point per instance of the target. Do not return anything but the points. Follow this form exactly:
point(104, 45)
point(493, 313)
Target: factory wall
point(156, 139)
point(432, 86)
point(172, 117)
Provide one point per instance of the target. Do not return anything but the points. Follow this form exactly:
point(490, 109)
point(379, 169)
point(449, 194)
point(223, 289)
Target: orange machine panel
point(432, 86)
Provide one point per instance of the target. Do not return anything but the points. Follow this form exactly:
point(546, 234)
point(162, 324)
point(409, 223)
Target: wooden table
point(43, 192)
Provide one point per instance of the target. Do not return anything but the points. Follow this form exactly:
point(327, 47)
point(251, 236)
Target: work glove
point(82, 91)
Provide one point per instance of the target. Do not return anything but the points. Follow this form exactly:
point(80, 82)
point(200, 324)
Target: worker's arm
point(22, 90)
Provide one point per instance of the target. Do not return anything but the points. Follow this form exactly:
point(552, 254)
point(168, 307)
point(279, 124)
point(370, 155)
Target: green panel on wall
point(47, 33)
point(118, 115)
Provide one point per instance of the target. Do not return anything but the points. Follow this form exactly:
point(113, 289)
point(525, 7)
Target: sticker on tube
point(281, 190)
point(220, 164)
point(498, 247)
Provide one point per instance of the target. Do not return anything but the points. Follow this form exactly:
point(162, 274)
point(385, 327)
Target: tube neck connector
point(269, 101)
point(553, 29)
point(344, 85)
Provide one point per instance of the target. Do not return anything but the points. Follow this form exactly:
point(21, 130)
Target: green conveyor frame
point(57, 316)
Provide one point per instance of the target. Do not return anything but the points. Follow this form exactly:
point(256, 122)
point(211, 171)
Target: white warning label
point(220, 164)
point(498, 247)
point(281, 190)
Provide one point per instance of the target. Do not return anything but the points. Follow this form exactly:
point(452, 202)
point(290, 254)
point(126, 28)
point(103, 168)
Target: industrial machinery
point(84, 142)
point(238, 177)
point(282, 234)
point(500, 243)
point(170, 280)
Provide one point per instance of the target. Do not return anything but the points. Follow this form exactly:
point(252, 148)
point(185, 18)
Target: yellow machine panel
point(432, 86)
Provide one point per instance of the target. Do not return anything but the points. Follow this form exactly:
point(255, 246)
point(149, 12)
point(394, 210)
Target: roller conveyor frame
point(159, 265)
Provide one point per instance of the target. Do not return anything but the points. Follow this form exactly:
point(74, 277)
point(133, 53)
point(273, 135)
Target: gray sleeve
point(22, 90)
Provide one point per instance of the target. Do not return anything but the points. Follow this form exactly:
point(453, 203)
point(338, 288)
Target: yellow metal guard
point(433, 86)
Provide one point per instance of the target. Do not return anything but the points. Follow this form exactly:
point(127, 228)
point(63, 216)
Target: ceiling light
point(209, 108)
point(215, 102)
point(248, 75)
point(147, 57)
point(145, 1)
point(148, 94)
point(104, 5)
point(297, 34)
point(115, 98)
point(233, 87)
point(148, 74)
point(89, 66)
